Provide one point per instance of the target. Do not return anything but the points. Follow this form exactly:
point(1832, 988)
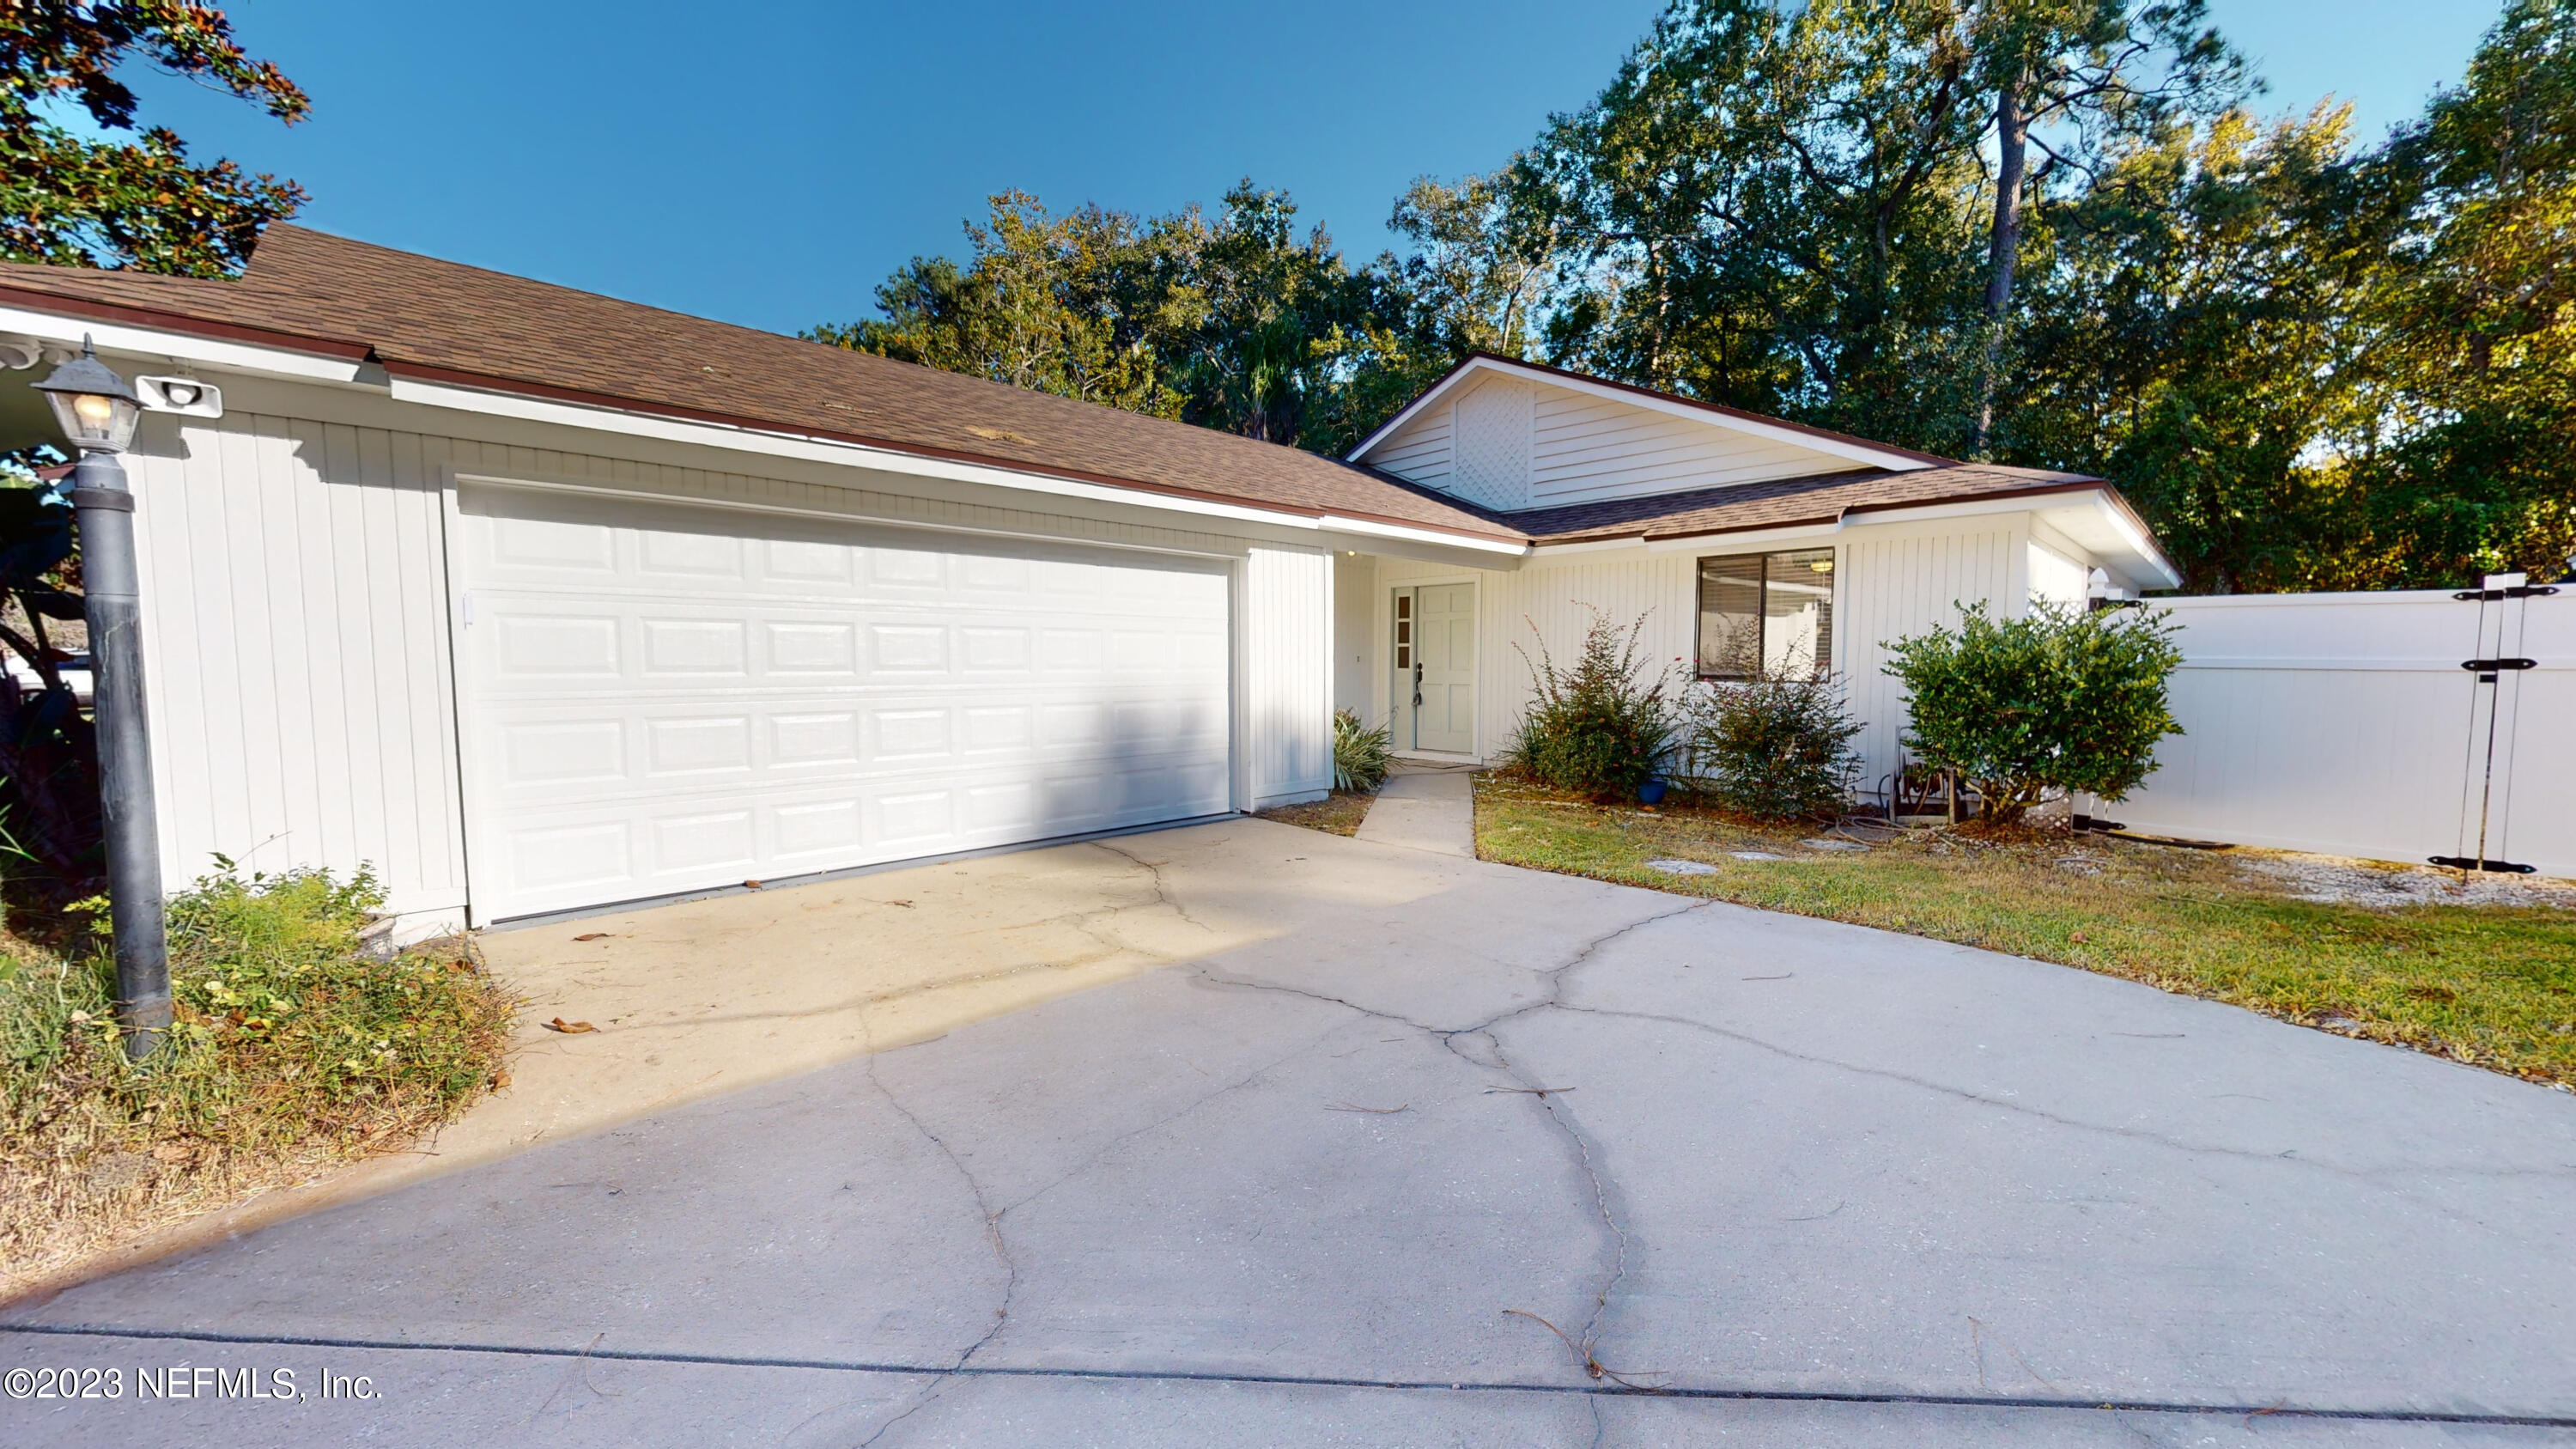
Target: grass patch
point(1339, 813)
point(2490, 985)
point(294, 1049)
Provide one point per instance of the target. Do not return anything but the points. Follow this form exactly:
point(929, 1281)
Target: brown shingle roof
point(439, 321)
point(1784, 502)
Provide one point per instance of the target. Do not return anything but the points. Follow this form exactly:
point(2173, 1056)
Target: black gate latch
point(2487, 668)
point(2519, 591)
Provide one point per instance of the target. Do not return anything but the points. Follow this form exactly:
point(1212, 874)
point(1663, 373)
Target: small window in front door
point(1404, 630)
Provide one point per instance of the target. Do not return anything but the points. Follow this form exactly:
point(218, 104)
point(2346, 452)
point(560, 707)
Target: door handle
point(1417, 684)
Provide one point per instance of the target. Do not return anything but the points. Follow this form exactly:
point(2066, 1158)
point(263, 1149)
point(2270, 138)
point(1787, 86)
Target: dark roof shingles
point(424, 313)
point(1782, 502)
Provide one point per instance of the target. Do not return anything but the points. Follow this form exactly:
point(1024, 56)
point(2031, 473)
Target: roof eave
point(351, 352)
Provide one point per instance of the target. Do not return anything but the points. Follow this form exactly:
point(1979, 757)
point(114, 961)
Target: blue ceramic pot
point(1651, 792)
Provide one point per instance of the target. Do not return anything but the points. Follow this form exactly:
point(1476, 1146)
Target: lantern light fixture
point(95, 408)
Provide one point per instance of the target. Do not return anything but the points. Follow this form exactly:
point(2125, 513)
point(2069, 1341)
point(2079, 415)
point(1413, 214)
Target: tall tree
point(2092, 72)
point(1236, 322)
point(2469, 462)
point(137, 202)
point(1074, 305)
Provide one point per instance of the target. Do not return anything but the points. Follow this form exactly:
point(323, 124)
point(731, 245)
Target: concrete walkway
point(1370, 1145)
point(1424, 808)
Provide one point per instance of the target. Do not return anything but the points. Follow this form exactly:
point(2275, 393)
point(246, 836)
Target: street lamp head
point(95, 408)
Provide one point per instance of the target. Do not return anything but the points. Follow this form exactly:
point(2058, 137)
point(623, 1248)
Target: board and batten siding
point(1287, 633)
point(1903, 584)
point(298, 611)
point(295, 623)
point(1891, 582)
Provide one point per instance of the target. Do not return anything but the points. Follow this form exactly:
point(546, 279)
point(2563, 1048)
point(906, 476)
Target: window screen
point(1767, 615)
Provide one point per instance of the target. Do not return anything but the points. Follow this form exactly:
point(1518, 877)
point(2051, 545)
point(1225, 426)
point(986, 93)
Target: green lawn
point(2494, 986)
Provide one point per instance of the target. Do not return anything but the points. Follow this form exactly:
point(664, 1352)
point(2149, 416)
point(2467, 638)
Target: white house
point(535, 600)
point(1736, 537)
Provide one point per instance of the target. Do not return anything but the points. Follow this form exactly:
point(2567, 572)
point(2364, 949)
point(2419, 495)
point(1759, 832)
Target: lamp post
point(97, 411)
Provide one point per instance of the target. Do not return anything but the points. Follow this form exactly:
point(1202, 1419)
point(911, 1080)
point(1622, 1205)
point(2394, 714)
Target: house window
point(1404, 629)
point(1767, 615)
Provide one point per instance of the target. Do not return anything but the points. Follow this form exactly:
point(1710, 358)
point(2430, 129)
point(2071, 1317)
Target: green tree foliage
point(2045, 232)
point(137, 201)
point(2466, 462)
point(2055, 701)
point(1236, 321)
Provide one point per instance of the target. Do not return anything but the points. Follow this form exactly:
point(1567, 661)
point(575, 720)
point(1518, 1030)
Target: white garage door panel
point(659, 700)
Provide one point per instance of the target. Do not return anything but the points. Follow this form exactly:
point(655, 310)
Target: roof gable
point(1511, 435)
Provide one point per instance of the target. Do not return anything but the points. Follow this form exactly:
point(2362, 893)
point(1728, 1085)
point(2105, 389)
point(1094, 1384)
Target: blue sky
point(769, 163)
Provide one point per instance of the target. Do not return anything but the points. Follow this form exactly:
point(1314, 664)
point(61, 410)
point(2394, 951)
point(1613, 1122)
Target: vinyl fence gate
point(2415, 726)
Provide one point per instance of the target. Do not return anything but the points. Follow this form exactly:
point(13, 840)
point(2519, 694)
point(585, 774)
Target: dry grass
point(294, 1052)
point(1338, 814)
point(2493, 985)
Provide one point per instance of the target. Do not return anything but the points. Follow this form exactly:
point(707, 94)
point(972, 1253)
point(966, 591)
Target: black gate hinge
point(2518, 591)
point(2470, 862)
point(2490, 666)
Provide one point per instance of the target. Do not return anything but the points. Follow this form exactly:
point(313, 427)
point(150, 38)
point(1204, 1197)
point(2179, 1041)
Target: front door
point(1435, 668)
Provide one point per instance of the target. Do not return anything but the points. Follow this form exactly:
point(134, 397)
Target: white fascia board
point(2098, 508)
point(2145, 548)
point(1370, 528)
point(179, 346)
point(887, 460)
point(1675, 407)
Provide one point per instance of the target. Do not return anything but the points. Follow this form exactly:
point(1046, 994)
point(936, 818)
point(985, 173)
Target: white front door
point(660, 698)
point(1435, 668)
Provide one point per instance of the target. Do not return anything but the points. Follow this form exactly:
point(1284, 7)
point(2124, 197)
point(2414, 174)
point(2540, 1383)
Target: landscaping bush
point(1600, 728)
point(1360, 756)
point(2057, 700)
point(293, 1047)
point(1774, 749)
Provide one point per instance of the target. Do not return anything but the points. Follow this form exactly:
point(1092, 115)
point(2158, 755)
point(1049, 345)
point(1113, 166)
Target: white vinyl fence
point(2346, 724)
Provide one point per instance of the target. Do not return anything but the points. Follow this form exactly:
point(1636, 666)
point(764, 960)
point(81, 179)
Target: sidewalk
point(1425, 807)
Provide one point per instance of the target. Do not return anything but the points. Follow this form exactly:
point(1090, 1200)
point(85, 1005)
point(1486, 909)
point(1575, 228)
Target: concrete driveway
point(1247, 1135)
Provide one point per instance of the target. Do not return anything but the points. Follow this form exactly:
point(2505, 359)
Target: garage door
point(661, 698)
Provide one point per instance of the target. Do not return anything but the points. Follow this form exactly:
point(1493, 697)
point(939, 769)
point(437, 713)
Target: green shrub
point(1360, 757)
point(1774, 749)
point(292, 1046)
point(1600, 728)
point(2057, 700)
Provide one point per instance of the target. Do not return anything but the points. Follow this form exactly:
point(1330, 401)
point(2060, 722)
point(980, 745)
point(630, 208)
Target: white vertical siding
point(1899, 585)
point(296, 622)
point(295, 617)
point(1890, 583)
point(1288, 673)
